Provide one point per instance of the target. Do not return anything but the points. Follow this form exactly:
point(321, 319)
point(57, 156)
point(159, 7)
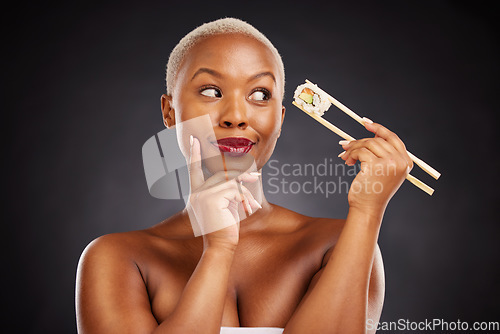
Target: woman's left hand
point(384, 166)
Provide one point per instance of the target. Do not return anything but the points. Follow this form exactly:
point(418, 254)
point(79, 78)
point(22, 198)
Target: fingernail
point(257, 203)
point(248, 208)
point(255, 173)
point(344, 142)
point(191, 140)
point(247, 205)
point(341, 154)
point(367, 120)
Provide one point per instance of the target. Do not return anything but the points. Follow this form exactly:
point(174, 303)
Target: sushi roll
point(311, 99)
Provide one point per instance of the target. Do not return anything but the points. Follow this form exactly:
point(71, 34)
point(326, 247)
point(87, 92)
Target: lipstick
point(234, 146)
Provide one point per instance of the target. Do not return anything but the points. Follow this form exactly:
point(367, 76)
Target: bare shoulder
point(113, 256)
point(316, 224)
point(109, 286)
point(326, 232)
point(113, 246)
point(329, 227)
point(317, 234)
point(333, 229)
point(111, 289)
point(131, 246)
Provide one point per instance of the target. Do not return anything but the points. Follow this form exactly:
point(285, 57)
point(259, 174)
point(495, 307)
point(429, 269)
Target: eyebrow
point(219, 75)
point(207, 70)
point(260, 75)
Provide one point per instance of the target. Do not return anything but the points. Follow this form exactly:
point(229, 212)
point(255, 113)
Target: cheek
point(199, 125)
point(268, 125)
point(186, 108)
point(268, 128)
point(191, 119)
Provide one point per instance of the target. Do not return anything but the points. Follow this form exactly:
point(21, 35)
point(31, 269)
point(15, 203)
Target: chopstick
point(428, 169)
point(346, 136)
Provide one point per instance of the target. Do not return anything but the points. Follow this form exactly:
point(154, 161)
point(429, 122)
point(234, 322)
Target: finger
point(362, 154)
point(196, 177)
point(247, 206)
point(378, 146)
point(245, 202)
point(213, 186)
point(222, 177)
point(235, 195)
point(248, 177)
point(381, 131)
point(251, 199)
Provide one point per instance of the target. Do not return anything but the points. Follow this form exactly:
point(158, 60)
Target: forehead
point(234, 54)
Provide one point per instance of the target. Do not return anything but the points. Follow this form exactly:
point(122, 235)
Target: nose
point(234, 114)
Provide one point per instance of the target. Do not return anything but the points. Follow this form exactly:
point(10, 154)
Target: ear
point(167, 111)
point(283, 109)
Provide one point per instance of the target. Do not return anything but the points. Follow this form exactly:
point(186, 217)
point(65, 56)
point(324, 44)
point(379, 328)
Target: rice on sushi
point(311, 99)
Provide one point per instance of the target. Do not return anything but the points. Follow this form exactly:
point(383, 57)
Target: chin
point(225, 162)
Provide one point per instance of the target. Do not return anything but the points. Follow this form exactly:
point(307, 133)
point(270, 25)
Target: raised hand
point(215, 204)
point(384, 166)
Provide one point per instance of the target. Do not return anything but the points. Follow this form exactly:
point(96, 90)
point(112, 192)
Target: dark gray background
point(82, 86)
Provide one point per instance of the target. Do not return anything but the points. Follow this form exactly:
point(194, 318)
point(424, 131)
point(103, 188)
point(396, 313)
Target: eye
point(260, 95)
point(211, 92)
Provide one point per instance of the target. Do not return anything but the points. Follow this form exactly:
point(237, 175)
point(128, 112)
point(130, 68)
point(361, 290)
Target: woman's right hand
point(214, 202)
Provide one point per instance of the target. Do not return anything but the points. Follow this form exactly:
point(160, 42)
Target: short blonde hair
point(227, 25)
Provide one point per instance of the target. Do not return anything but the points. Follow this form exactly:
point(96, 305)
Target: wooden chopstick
point(428, 169)
point(344, 135)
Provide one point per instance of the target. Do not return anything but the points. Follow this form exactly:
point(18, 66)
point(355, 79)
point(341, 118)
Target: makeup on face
point(233, 79)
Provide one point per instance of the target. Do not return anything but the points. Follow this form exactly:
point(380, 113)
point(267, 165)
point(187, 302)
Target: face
point(235, 81)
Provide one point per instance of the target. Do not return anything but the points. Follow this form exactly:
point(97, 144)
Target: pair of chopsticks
point(428, 169)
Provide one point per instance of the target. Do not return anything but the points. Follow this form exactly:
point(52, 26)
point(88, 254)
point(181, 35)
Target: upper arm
point(376, 289)
point(111, 296)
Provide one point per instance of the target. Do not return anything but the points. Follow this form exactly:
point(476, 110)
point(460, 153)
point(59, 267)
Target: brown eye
point(260, 95)
point(211, 92)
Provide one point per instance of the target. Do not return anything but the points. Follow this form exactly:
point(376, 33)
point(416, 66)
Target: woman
point(252, 263)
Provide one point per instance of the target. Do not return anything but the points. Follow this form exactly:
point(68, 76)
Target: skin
point(276, 268)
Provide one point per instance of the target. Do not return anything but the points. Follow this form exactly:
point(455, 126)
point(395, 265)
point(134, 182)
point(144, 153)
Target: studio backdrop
point(82, 96)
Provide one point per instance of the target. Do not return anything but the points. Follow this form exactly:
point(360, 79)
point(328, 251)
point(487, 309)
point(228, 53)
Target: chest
point(265, 285)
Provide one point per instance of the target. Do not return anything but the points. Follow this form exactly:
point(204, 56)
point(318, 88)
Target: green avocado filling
point(307, 98)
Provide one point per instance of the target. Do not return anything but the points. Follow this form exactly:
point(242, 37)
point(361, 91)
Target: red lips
point(234, 146)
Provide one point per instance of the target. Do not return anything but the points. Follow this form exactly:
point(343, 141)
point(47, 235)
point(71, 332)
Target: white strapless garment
point(251, 330)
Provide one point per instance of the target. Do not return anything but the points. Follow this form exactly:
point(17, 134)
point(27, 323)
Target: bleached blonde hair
point(227, 25)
